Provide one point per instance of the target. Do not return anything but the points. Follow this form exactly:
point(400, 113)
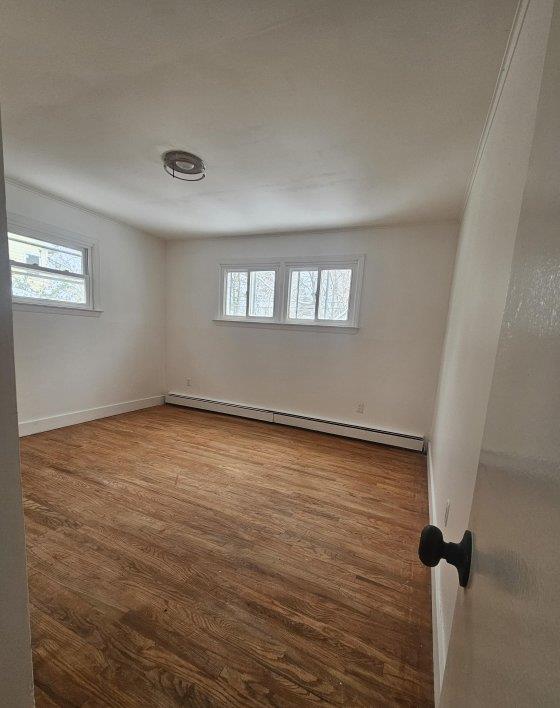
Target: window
point(324, 292)
point(249, 293)
point(303, 288)
point(49, 273)
point(320, 294)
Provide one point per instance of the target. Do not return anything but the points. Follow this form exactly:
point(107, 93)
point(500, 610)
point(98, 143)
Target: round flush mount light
point(184, 165)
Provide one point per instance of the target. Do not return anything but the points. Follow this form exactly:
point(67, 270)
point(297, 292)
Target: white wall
point(16, 680)
point(71, 368)
point(391, 364)
point(67, 363)
point(480, 285)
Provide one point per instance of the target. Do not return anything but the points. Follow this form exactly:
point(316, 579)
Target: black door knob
point(433, 548)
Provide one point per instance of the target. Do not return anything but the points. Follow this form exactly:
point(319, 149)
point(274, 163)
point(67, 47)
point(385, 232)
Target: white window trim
point(25, 226)
point(284, 268)
point(247, 266)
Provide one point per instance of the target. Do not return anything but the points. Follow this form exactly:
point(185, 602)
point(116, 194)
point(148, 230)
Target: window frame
point(23, 226)
point(284, 269)
point(248, 268)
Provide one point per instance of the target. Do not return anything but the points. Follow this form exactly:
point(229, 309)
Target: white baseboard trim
point(40, 425)
point(437, 617)
point(385, 437)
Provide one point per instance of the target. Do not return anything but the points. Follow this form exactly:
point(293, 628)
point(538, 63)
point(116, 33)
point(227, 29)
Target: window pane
point(303, 289)
point(48, 286)
point(261, 293)
point(48, 255)
point(334, 294)
point(236, 294)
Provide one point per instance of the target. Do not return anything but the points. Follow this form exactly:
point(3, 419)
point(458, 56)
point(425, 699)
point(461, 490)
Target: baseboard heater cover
point(385, 437)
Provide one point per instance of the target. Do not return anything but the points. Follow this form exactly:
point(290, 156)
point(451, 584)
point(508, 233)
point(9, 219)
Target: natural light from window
point(325, 292)
point(303, 288)
point(47, 272)
point(334, 294)
point(250, 293)
point(261, 293)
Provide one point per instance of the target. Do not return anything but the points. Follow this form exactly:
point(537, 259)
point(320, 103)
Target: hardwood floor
point(180, 557)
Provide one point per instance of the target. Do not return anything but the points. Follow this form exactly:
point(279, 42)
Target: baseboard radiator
point(385, 437)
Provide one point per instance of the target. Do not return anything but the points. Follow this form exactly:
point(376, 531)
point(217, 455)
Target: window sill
point(341, 329)
point(54, 309)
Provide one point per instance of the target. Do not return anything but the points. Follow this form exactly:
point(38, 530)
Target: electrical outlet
point(188, 382)
point(446, 513)
point(360, 407)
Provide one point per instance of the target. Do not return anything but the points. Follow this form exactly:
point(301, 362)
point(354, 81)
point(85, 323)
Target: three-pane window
point(44, 272)
point(325, 292)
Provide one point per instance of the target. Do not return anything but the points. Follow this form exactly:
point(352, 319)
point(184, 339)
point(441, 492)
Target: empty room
point(279, 343)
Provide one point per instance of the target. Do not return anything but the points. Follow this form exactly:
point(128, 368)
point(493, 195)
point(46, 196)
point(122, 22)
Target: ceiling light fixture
point(184, 165)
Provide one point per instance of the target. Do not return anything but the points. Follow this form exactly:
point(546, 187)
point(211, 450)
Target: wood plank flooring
point(181, 557)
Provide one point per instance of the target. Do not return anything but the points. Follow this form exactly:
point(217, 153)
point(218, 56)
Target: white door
point(16, 681)
point(505, 641)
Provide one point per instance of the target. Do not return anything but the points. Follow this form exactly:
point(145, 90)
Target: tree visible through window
point(321, 294)
point(334, 294)
point(47, 272)
point(303, 289)
point(324, 292)
point(236, 294)
point(261, 293)
point(250, 293)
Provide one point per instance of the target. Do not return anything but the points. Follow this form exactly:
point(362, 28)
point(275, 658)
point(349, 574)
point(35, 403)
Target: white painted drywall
point(391, 364)
point(16, 681)
point(480, 283)
point(69, 363)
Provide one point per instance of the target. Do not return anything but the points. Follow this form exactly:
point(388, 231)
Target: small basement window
point(50, 273)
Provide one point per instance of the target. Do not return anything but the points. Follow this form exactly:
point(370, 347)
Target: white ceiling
point(309, 113)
